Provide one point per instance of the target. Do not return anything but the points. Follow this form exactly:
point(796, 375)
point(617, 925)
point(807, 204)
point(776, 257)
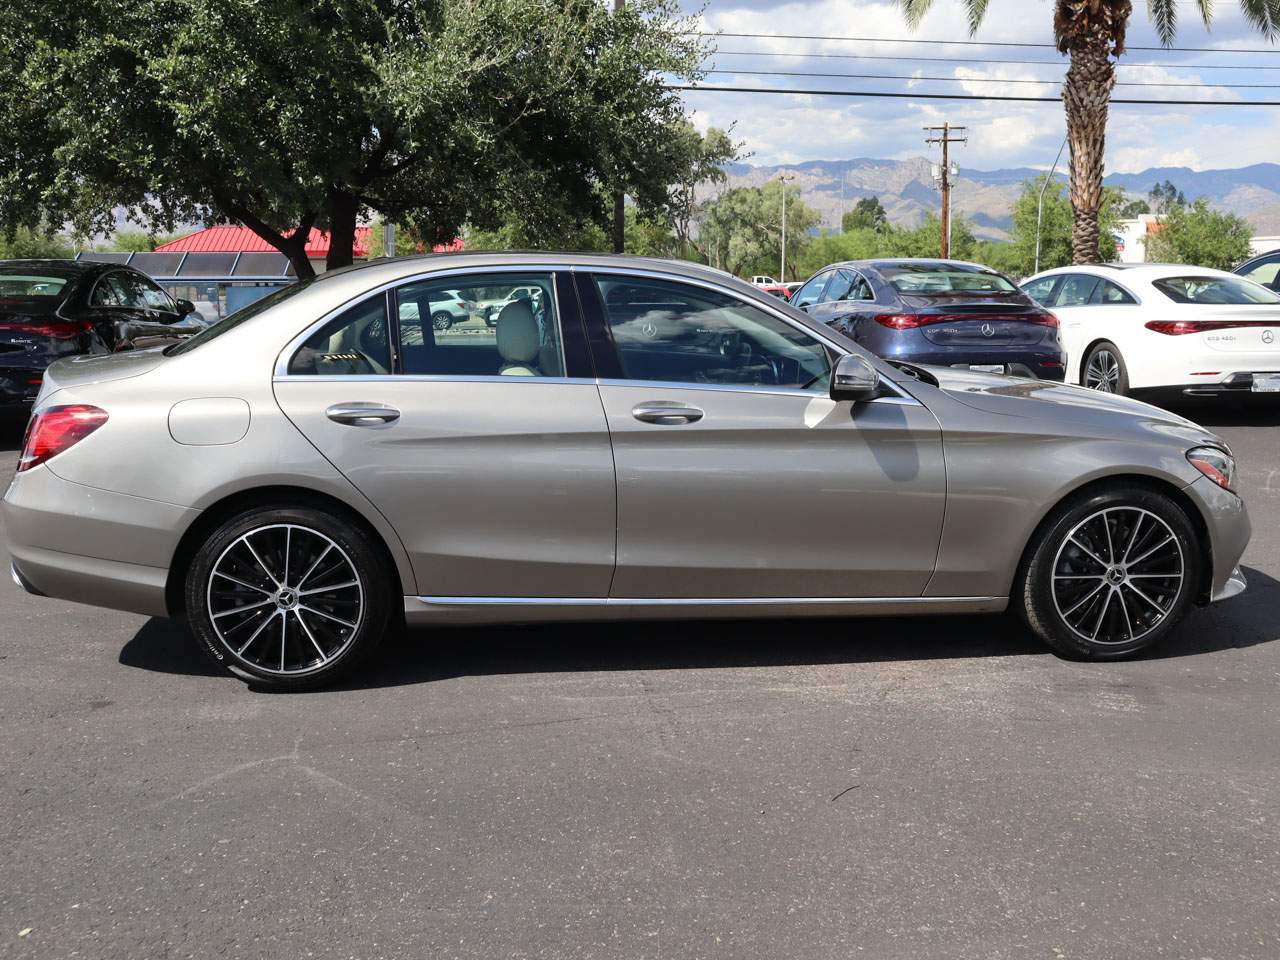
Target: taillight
point(1176, 328)
point(900, 321)
point(58, 330)
point(909, 321)
point(55, 429)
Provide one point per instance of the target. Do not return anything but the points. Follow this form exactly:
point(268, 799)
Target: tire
point(1104, 370)
point(331, 597)
point(441, 320)
point(1148, 587)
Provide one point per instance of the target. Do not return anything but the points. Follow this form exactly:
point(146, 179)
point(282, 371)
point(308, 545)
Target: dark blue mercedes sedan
point(942, 312)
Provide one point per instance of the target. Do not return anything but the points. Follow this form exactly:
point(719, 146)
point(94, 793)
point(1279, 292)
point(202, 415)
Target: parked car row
point(1179, 330)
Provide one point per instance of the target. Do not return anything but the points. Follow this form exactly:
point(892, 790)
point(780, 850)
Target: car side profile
point(50, 309)
point(649, 439)
point(1167, 328)
point(944, 312)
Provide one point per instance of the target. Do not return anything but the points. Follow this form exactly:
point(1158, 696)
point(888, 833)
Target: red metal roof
point(229, 239)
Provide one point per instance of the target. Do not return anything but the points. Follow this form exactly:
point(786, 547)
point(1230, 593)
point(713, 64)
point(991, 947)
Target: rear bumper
point(80, 543)
point(1239, 384)
point(19, 384)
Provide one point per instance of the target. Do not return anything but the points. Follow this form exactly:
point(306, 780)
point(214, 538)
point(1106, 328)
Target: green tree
point(1195, 234)
point(1164, 197)
point(1134, 208)
point(867, 213)
point(741, 230)
point(27, 244)
point(136, 241)
point(1092, 34)
point(1056, 238)
point(302, 113)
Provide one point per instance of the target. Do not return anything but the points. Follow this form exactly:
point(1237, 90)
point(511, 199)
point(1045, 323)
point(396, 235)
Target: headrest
point(517, 333)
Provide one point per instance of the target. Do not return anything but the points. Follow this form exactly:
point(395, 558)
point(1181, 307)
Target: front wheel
point(1111, 574)
point(287, 597)
point(1104, 370)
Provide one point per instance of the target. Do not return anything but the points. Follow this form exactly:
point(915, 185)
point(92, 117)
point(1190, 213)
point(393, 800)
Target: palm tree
point(1092, 32)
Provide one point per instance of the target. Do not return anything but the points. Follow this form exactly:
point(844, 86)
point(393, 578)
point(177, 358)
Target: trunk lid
point(80, 371)
point(962, 319)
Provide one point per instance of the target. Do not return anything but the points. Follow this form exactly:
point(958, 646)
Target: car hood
point(81, 370)
point(1018, 397)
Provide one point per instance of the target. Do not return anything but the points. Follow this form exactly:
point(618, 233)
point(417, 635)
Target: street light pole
point(1040, 205)
point(782, 274)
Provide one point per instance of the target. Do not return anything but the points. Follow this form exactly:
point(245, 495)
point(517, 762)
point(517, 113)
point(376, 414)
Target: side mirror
point(855, 378)
point(185, 307)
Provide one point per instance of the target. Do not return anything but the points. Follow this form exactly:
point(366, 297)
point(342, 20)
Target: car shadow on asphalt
point(12, 427)
point(423, 656)
point(1229, 414)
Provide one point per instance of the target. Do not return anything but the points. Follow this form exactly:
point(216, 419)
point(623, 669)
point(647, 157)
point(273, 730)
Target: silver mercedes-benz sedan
point(639, 439)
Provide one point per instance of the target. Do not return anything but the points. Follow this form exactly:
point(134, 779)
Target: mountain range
point(985, 197)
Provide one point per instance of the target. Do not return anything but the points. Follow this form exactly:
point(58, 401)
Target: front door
point(492, 464)
point(738, 477)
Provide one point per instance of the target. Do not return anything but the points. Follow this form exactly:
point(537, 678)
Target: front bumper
point(1227, 521)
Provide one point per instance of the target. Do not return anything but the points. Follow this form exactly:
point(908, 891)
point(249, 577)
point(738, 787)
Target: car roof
point(68, 269)
point(883, 263)
point(1134, 271)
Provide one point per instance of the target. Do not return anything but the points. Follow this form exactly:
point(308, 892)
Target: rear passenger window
point(1040, 290)
point(1107, 292)
point(480, 325)
point(354, 343)
point(1075, 291)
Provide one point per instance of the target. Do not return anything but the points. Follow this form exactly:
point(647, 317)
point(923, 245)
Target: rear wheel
point(441, 320)
point(1104, 370)
point(287, 597)
point(1111, 573)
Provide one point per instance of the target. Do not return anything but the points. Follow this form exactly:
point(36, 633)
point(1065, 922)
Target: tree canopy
point(1194, 233)
point(741, 230)
point(295, 114)
point(868, 213)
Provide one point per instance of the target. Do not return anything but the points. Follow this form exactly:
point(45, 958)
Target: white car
point(453, 309)
point(1192, 330)
point(760, 280)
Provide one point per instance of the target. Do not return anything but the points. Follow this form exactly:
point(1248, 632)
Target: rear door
point(738, 477)
point(486, 448)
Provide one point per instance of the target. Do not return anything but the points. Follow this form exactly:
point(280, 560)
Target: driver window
point(354, 343)
point(674, 332)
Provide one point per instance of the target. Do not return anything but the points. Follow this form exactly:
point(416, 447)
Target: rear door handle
point(666, 413)
point(360, 414)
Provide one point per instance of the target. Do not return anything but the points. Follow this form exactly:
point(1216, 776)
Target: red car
point(779, 290)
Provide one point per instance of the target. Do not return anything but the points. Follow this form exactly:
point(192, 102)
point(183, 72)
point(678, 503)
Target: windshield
point(26, 286)
point(925, 279)
point(233, 320)
point(1216, 290)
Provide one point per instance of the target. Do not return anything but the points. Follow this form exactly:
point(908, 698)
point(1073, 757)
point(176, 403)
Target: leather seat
point(519, 341)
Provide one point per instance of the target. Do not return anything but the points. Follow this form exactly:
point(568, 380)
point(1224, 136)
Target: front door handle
point(666, 413)
point(360, 414)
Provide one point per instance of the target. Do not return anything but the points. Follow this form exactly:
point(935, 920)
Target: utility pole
point(782, 274)
point(619, 205)
point(943, 136)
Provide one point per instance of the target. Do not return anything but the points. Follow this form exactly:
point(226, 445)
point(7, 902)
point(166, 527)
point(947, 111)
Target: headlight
point(1218, 465)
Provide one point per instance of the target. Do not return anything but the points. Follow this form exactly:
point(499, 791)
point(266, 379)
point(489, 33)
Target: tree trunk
point(1087, 95)
point(343, 209)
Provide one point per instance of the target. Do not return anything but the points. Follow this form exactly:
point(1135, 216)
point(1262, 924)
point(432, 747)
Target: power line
point(968, 96)
point(881, 76)
point(985, 60)
point(969, 43)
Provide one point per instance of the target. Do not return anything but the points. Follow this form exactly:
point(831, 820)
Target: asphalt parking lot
point(805, 789)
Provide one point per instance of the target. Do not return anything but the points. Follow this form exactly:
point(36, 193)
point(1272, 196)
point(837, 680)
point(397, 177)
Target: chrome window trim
point(685, 601)
point(659, 385)
point(281, 370)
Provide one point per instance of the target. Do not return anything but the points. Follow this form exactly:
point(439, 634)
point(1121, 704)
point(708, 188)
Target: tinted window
point(838, 288)
point(811, 292)
point(111, 291)
point(1263, 272)
point(144, 293)
point(1223, 290)
point(1075, 291)
point(353, 343)
point(924, 279)
point(1107, 292)
point(28, 286)
point(680, 333)
point(484, 324)
point(1040, 290)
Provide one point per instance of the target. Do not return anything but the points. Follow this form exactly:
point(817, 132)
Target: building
point(221, 269)
point(1131, 237)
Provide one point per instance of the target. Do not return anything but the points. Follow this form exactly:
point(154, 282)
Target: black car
point(941, 312)
point(1263, 269)
point(51, 309)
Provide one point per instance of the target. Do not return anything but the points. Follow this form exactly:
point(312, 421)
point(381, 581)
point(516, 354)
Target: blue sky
point(789, 129)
